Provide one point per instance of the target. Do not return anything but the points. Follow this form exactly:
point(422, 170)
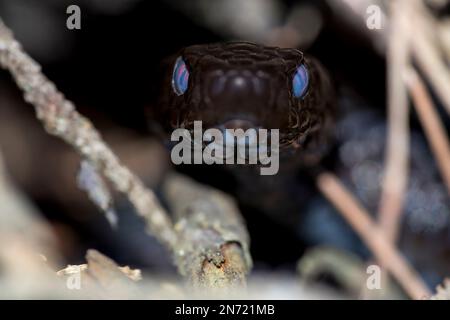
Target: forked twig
point(61, 119)
point(372, 235)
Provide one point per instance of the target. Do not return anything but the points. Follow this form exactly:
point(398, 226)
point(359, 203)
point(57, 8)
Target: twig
point(102, 278)
point(426, 51)
point(372, 235)
point(16, 215)
point(397, 152)
point(213, 243)
point(60, 118)
point(90, 181)
point(434, 129)
point(209, 241)
point(28, 249)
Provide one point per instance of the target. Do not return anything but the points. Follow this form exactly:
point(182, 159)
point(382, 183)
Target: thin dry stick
point(397, 152)
point(60, 118)
point(426, 51)
point(434, 129)
point(372, 235)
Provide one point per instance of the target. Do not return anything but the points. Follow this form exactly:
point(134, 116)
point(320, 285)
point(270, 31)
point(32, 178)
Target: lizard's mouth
point(242, 136)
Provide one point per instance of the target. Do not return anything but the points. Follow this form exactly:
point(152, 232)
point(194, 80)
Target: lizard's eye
point(180, 77)
point(300, 81)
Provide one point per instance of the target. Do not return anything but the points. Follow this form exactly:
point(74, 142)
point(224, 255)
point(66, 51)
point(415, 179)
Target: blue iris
point(180, 77)
point(300, 81)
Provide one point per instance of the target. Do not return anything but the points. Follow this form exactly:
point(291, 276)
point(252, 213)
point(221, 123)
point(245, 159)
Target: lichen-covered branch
point(60, 118)
point(442, 291)
point(209, 240)
point(213, 244)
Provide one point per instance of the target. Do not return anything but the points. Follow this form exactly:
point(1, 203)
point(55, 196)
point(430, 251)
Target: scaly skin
point(263, 97)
